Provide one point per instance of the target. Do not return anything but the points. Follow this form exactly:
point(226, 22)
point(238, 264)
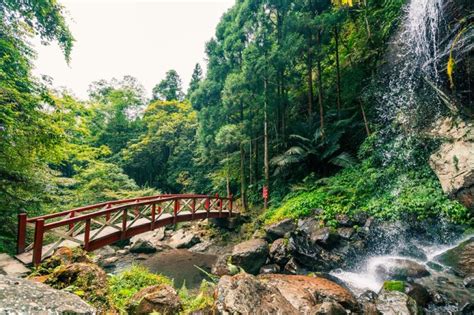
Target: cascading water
point(413, 59)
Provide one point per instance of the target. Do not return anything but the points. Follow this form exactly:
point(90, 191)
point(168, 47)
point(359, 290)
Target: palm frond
point(344, 160)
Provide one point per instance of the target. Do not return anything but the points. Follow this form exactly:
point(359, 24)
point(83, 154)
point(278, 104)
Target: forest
point(289, 101)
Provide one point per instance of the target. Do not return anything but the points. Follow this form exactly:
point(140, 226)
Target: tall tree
point(169, 89)
point(196, 78)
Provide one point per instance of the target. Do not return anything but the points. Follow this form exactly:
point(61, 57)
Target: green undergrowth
point(122, 287)
point(388, 191)
point(394, 285)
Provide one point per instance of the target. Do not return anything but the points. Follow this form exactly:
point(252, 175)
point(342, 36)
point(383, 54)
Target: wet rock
point(272, 268)
point(368, 296)
point(396, 268)
point(345, 232)
point(279, 251)
point(418, 293)
point(142, 246)
point(279, 229)
point(158, 298)
point(413, 251)
point(360, 218)
point(317, 233)
point(460, 258)
point(467, 309)
point(469, 282)
point(122, 252)
point(295, 268)
point(28, 297)
point(182, 239)
point(201, 247)
point(104, 252)
point(250, 255)
point(330, 308)
point(396, 303)
point(312, 256)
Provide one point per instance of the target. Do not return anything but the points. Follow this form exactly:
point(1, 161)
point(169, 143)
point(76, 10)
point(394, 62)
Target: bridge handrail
point(68, 221)
point(106, 203)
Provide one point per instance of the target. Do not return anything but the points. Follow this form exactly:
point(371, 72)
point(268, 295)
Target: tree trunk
point(367, 130)
point(338, 71)
point(320, 90)
point(243, 189)
point(310, 85)
point(265, 143)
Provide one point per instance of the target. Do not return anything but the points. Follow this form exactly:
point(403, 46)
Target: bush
point(203, 300)
point(123, 286)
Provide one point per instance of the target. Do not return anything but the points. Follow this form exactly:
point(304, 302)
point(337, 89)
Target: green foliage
point(392, 191)
point(194, 302)
point(123, 286)
point(394, 285)
point(169, 89)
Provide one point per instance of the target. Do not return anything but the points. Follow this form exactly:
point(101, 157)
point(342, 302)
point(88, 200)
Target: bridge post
point(124, 224)
point(87, 232)
point(153, 216)
point(231, 199)
point(21, 241)
point(176, 209)
point(193, 208)
point(71, 225)
point(38, 242)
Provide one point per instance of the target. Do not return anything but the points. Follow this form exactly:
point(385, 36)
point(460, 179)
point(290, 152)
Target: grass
point(394, 286)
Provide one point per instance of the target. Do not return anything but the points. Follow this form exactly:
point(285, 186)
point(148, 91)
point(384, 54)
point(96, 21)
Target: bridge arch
point(97, 225)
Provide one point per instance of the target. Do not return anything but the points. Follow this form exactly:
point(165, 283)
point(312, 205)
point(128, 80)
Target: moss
point(123, 286)
point(394, 286)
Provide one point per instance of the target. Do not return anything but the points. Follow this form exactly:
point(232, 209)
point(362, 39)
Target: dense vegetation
point(286, 102)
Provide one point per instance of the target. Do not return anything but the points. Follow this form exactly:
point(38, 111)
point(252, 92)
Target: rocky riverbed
point(362, 266)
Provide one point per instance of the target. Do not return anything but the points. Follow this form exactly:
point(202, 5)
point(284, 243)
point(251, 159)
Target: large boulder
point(460, 258)
point(154, 237)
point(142, 247)
point(20, 296)
point(88, 280)
point(158, 298)
point(453, 162)
point(395, 303)
point(280, 229)
point(250, 255)
point(397, 268)
point(281, 294)
point(245, 294)
point(183, 239)
point(279, 251)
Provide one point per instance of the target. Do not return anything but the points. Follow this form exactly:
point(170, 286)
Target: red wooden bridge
point(105, 223)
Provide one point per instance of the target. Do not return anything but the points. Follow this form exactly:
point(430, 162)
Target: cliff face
point(453, 162)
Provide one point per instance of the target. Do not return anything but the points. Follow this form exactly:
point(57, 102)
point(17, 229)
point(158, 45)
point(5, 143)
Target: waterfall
point(413, 57)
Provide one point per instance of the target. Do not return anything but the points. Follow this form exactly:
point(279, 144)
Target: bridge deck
point(165, 219)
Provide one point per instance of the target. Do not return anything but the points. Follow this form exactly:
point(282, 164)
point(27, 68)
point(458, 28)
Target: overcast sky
point(142, 38)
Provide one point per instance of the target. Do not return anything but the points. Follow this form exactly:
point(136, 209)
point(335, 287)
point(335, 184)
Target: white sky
point(142, 38)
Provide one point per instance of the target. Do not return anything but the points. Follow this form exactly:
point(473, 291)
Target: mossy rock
point(394, 286)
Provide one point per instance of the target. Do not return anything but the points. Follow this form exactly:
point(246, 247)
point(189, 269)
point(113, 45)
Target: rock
point(360, 218)
point(181, 239)
point(279, 251)
point(312, 256)
point(397, 268)
point(229, 223)
point(122, 252)
point(162, 299)
point(467, 309)
point(142, 256)
point(154, 237)
point(245, 294)
point(317, 233)
point(453, 162)
point(330, 308)
point(368, 296)
point(280, 229)
point(142, 246)
point(460, 258)
point(345, 232)
point(395, 303)
point(11, 267)
point(469, 282)
point(279, 294)
point(344, 220)
point(293, 267)
point(306, 293)
point(28, 297)
point(418, 293)
point(104, 252)
point(272, 268)
point(201, 247)
point(250, 255)
point(108, 262)
point(220, 267)
point(89, 281)
point(413, 251)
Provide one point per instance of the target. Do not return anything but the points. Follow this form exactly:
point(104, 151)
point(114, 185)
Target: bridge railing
point(90, 226)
